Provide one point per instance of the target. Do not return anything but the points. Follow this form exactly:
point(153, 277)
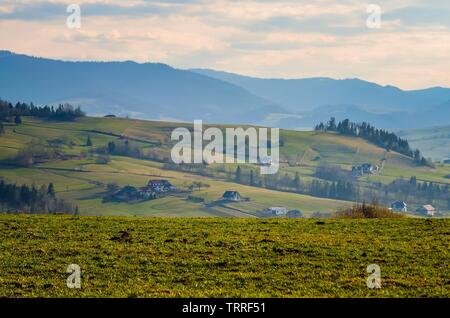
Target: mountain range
point(159, 91)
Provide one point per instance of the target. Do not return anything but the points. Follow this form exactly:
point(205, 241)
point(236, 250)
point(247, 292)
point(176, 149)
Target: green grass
point(85, 181)
point(217, 257)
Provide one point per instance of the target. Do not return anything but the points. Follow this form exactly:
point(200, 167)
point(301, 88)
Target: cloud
point(421, 16)
point(269, 38)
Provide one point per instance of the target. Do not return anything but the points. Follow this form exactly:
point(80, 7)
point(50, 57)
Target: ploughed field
point(221, 257)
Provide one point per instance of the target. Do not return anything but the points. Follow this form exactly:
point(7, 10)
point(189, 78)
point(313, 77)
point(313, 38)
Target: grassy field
point(84, 180)
point(220, 257)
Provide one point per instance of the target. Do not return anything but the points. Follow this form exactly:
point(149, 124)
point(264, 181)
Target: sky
point(410, 48)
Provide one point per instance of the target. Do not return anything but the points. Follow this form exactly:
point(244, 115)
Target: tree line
point(341, 187)
point(413, 189)
point(12, 113)
point(26, 199)
point(380, 137)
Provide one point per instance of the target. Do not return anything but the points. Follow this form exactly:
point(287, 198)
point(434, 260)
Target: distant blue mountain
point(307, 94)
point(158, 91)
point(147, 90)
point(435, 95)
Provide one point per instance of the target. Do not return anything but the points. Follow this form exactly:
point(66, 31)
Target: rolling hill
point(147, 90)
point(434, 142)
point(79, 175)
point(161, 92)
point(312, 98)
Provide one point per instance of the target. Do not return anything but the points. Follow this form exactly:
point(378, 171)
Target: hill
point(161, 92)
point(148, 90)
point(384, 106)
point(82, 173)
point(158, 257)
point(434, 141)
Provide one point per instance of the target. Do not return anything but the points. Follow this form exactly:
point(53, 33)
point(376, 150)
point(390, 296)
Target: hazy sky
point(267, 38)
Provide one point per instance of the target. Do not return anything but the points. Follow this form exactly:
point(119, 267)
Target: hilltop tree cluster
point(26, 199)
point(379, 137)
point(12, 113)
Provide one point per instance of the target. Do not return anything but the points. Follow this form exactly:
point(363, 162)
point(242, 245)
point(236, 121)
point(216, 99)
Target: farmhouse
point(160, 186)
point(231, 196)
point(399, 206)
point(427, 210)
point(365, 168)
point(275, 211)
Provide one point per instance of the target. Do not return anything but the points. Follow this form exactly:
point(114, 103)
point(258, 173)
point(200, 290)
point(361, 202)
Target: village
point(159, 188)
point(153, 190)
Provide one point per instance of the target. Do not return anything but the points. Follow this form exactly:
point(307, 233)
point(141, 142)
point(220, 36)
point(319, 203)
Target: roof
point(399, 203)
point(230, 193)
point(428, 207)
point(164, 182)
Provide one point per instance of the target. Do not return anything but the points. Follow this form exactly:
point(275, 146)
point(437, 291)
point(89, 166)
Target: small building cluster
point(365, 168)
point(425, 210)
point(153, 190)
point(275, 211)
point(160, 186)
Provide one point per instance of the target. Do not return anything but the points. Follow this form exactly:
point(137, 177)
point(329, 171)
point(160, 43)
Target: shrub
point(366, 211)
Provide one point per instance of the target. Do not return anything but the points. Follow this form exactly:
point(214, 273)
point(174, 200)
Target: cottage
point(427, 210)
point(160, 186)
point(399, 206)
point(294, 214)
point(365, 168)
point(275, 211)
point(231, 196)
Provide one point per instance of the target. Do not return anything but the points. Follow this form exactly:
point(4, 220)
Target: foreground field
point(178, 257)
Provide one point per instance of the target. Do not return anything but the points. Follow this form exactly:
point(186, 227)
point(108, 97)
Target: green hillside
point(213, 257)
point(78, 173)
point(434, 141)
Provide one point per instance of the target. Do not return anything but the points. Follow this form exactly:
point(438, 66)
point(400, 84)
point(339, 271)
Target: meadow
point(83, 179)
point(222, 257)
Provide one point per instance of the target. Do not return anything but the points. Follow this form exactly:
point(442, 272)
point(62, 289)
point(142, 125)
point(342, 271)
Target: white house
point(399, 206)
point(275, 211)
point(427, 210)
